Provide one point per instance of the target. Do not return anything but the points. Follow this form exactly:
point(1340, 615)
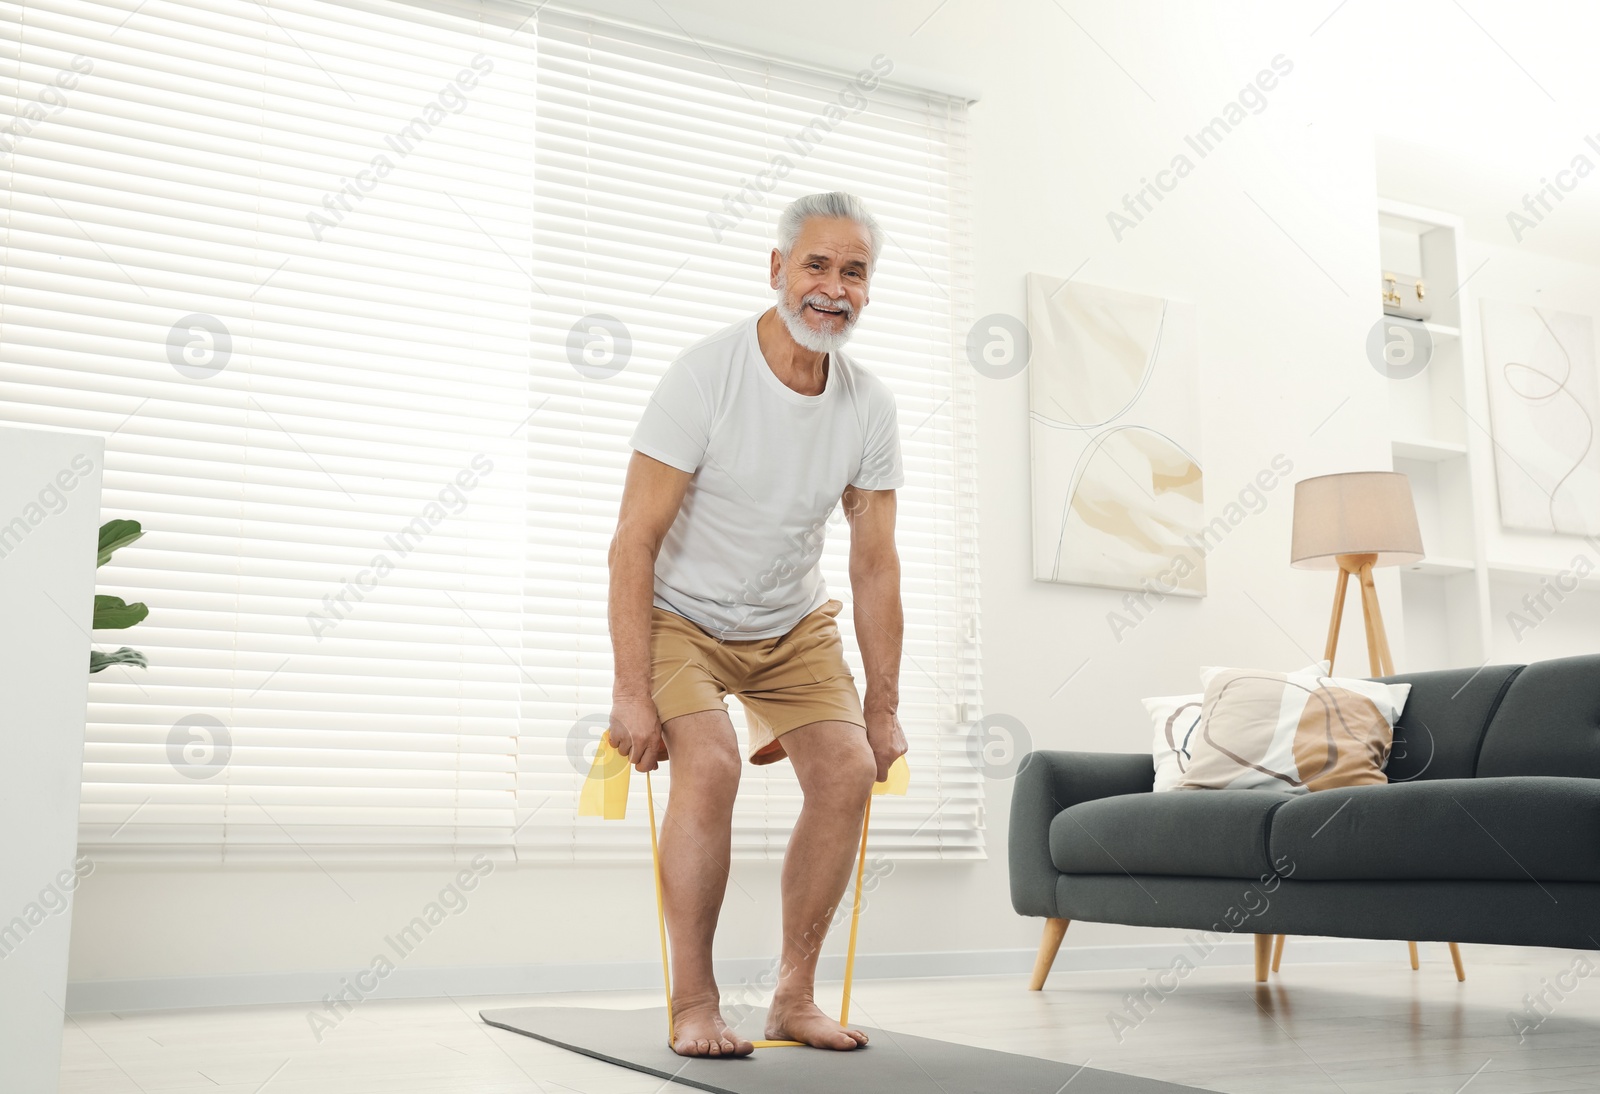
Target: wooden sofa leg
point(1054, 931)
point(1455, 956)
point(1413, 947)
point(1277, 952)
point(1263, 956)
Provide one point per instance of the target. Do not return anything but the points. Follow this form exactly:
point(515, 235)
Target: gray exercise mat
point(892, 1063)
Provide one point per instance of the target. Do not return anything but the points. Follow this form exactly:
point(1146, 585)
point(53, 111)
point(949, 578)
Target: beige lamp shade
point(1355, 513)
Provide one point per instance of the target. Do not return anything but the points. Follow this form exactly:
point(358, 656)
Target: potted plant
point(112, 612)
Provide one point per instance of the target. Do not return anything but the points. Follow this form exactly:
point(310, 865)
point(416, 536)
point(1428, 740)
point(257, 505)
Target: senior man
point(754, 435)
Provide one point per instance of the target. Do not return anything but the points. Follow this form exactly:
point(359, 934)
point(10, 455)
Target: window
point(366, 297)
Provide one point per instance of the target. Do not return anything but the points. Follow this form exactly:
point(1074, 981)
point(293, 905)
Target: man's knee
point(703, 750)
point(851, 771)
point(705, 787)
point(863, 766)
point(708, 767)
point(722, 765)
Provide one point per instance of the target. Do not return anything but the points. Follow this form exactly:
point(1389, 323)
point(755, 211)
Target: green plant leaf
point(111, 613)
point(124, 656)
point(115, 534)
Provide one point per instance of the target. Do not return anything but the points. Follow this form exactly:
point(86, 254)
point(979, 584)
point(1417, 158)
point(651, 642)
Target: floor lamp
point(1351, 523)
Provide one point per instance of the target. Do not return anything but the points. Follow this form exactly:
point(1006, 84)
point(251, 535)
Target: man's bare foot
point(802, 1020)
point(699, 1030)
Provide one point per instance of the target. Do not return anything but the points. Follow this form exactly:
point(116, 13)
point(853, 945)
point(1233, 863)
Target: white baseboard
point(752, 974)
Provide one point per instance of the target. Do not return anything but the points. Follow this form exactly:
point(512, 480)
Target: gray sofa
point(1488, 831)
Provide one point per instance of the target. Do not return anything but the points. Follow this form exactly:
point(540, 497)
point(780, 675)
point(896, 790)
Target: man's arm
point(875, 590)
point(651, 496)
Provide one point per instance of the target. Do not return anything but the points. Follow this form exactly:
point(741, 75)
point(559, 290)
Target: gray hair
point(835, 204)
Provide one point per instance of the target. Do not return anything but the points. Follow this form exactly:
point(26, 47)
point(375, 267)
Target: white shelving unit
point(1438, 565)
point(1534, 575)
point(1432, 416)
point(1426, 451)
point(1483, 593)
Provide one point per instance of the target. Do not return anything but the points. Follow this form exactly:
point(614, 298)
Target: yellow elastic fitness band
point(855, 919)
point(605, 794)
point(661, 911)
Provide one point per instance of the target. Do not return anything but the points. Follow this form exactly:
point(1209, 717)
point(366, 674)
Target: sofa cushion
point(1442, 726)
point(1512, 829)
point(1195, 833)
point(1548, 723)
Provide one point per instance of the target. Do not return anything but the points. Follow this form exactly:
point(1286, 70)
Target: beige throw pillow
point(1293, 732)
point(1174, 718)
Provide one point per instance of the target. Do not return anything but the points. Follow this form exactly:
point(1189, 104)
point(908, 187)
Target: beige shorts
point(784, 682)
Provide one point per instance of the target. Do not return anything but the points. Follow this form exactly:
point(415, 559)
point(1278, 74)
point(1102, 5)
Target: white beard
point(805, 335)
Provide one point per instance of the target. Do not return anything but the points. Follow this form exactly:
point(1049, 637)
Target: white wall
point(1273, 238)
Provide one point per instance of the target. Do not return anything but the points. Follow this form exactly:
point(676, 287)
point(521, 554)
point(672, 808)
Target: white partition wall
point(49, 515)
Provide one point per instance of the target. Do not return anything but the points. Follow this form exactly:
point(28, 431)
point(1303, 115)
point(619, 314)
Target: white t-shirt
point(769, 466)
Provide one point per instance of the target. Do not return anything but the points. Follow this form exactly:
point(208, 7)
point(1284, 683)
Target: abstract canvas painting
point(1544, 401)
point(1114, 422)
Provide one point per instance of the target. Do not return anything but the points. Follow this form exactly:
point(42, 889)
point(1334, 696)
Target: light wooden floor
point(1356, 1029)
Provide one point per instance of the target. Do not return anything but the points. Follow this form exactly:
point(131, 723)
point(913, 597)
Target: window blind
point(320, 272)
point(661, 166)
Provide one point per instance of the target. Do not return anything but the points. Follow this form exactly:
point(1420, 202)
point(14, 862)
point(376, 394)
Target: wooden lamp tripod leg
point(1339, 591)
point(1378, 655)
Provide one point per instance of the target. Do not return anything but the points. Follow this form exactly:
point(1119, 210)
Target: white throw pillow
point(1175, 718)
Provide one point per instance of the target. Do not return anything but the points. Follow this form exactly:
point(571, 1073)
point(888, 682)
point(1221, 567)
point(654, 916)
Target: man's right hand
point(636, 732)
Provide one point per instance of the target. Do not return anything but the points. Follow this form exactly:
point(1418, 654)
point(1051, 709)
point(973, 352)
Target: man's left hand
point(887, 739)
